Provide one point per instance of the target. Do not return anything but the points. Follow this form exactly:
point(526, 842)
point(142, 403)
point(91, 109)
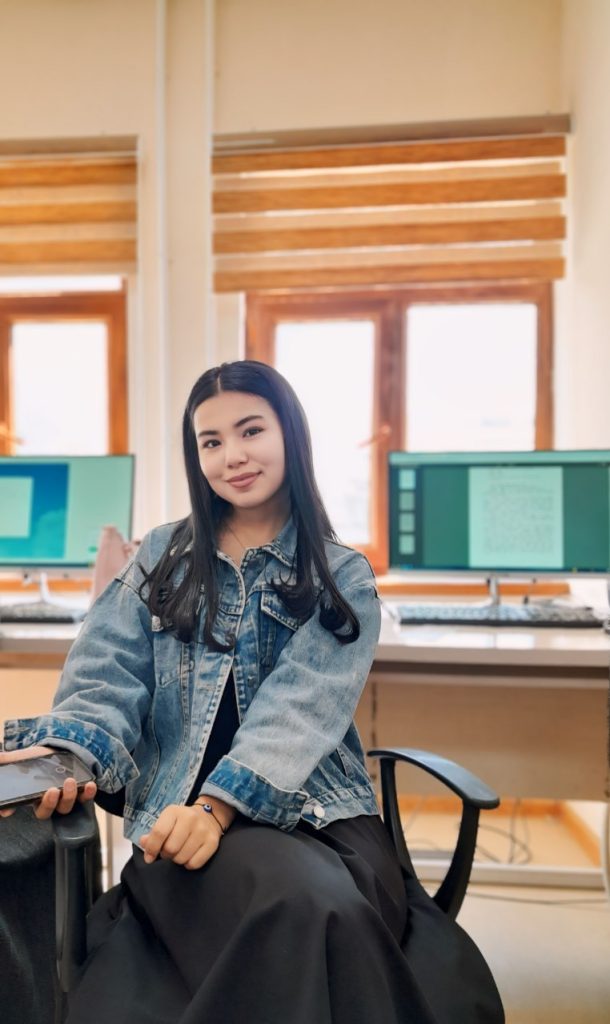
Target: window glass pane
point(60, 283)
point(60, 388)
point(330, 366)
point(471, 377)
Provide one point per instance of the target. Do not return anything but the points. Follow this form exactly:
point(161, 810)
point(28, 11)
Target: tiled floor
point(548, 949)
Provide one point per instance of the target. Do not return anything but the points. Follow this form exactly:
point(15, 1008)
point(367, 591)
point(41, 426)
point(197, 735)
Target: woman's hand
point(186, 835)
point(54, 799)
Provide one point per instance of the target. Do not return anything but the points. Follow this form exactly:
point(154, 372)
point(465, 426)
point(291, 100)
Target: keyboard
point(533, 614)
point(40, 611)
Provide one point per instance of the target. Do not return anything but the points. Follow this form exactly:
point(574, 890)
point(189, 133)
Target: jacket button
point(319, 811)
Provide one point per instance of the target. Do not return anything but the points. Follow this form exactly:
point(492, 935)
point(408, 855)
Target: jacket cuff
point(254, 795)
point(108, 759)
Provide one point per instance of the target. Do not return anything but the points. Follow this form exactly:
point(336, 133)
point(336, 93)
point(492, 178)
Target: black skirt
point(306, 927)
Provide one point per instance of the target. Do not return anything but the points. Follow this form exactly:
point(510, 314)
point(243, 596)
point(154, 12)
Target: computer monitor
point(497, 513)
point(53, 508)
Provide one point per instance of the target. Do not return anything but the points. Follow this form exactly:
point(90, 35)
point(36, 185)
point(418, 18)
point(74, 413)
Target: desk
point(524, 708)
point(34, 646)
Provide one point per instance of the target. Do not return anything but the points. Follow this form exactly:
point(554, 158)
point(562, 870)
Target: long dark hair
point(173, 589)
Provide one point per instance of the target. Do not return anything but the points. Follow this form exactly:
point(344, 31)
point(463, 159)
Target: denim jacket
point(138, 705)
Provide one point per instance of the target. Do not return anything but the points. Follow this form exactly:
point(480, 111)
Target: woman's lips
point(241, 483)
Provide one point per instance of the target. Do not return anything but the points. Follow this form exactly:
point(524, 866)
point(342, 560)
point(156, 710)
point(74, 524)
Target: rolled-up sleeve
point(302, 710)
point(105, 689)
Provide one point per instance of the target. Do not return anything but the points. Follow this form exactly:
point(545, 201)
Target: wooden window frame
point(107, 307)
point(387, 308)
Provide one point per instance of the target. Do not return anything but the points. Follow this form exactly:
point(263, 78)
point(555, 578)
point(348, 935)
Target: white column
point(188, 135)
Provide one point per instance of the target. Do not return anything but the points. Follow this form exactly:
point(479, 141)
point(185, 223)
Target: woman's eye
point(210, 443)
point(250, 431)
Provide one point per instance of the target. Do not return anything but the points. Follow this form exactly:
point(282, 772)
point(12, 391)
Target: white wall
point(583, 313)
point(288, 64)
point(74, 68)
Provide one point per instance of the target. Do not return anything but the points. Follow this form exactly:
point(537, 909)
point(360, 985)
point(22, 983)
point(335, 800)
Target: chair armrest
point(76, 884)
point(466, 785)
point(475, 795)
point(75, 830)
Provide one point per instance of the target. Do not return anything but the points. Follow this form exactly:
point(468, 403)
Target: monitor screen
point(53, 508)
point(500, 512)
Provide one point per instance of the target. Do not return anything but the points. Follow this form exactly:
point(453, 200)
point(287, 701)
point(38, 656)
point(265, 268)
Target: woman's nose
point(234, 453)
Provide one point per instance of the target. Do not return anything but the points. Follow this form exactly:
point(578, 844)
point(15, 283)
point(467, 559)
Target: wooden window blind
point(66, 213)
point(455, 210)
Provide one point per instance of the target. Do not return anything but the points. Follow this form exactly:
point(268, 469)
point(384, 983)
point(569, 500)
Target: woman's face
point(241, 448)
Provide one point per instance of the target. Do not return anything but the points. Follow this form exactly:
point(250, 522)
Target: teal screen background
point(53, 509)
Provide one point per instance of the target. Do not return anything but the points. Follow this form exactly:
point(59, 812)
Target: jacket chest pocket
point(173, 660)
point(277, 625)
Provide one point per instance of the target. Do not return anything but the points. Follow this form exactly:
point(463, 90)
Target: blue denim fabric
point(138, 705)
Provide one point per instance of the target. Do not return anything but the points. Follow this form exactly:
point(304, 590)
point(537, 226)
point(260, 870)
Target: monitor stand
point(493, 586)
point(495, 600)
point(44, 609)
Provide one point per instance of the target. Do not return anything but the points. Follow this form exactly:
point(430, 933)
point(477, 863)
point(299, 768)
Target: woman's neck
point(257, 526)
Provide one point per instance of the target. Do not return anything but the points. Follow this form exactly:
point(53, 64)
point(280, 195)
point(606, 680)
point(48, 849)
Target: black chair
point(475, 797)
point(78, 877)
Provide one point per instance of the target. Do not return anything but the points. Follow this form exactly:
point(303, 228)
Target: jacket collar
point(283, 547)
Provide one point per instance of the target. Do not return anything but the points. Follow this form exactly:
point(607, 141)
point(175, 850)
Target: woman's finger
point(179, 835)
point(188, 849)
point(68, 796)
point(153, 841)
point(47, 804)
point(87, 792)
point(6, 812)
point(201, 857)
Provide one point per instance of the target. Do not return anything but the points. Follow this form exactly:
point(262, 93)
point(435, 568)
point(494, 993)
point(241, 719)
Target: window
point(342, 462)
point(63, 379)
point(427, 368)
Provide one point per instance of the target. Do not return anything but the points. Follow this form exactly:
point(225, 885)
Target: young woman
point(215, 681)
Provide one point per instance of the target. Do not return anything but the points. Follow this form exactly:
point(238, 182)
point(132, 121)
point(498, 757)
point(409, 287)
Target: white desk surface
point(438, 645)
point(32, 637)
point(486, 645)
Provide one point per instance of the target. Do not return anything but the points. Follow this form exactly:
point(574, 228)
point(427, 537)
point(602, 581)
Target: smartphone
point(22, 782)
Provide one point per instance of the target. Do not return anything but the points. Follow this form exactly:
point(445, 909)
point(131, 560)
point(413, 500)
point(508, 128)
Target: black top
point(224, 729)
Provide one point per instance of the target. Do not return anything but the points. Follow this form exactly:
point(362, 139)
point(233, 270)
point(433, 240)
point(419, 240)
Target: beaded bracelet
point(210, 810)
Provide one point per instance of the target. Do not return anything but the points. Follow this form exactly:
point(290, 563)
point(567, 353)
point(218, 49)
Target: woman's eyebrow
point(240, 423)
point(246, 419)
